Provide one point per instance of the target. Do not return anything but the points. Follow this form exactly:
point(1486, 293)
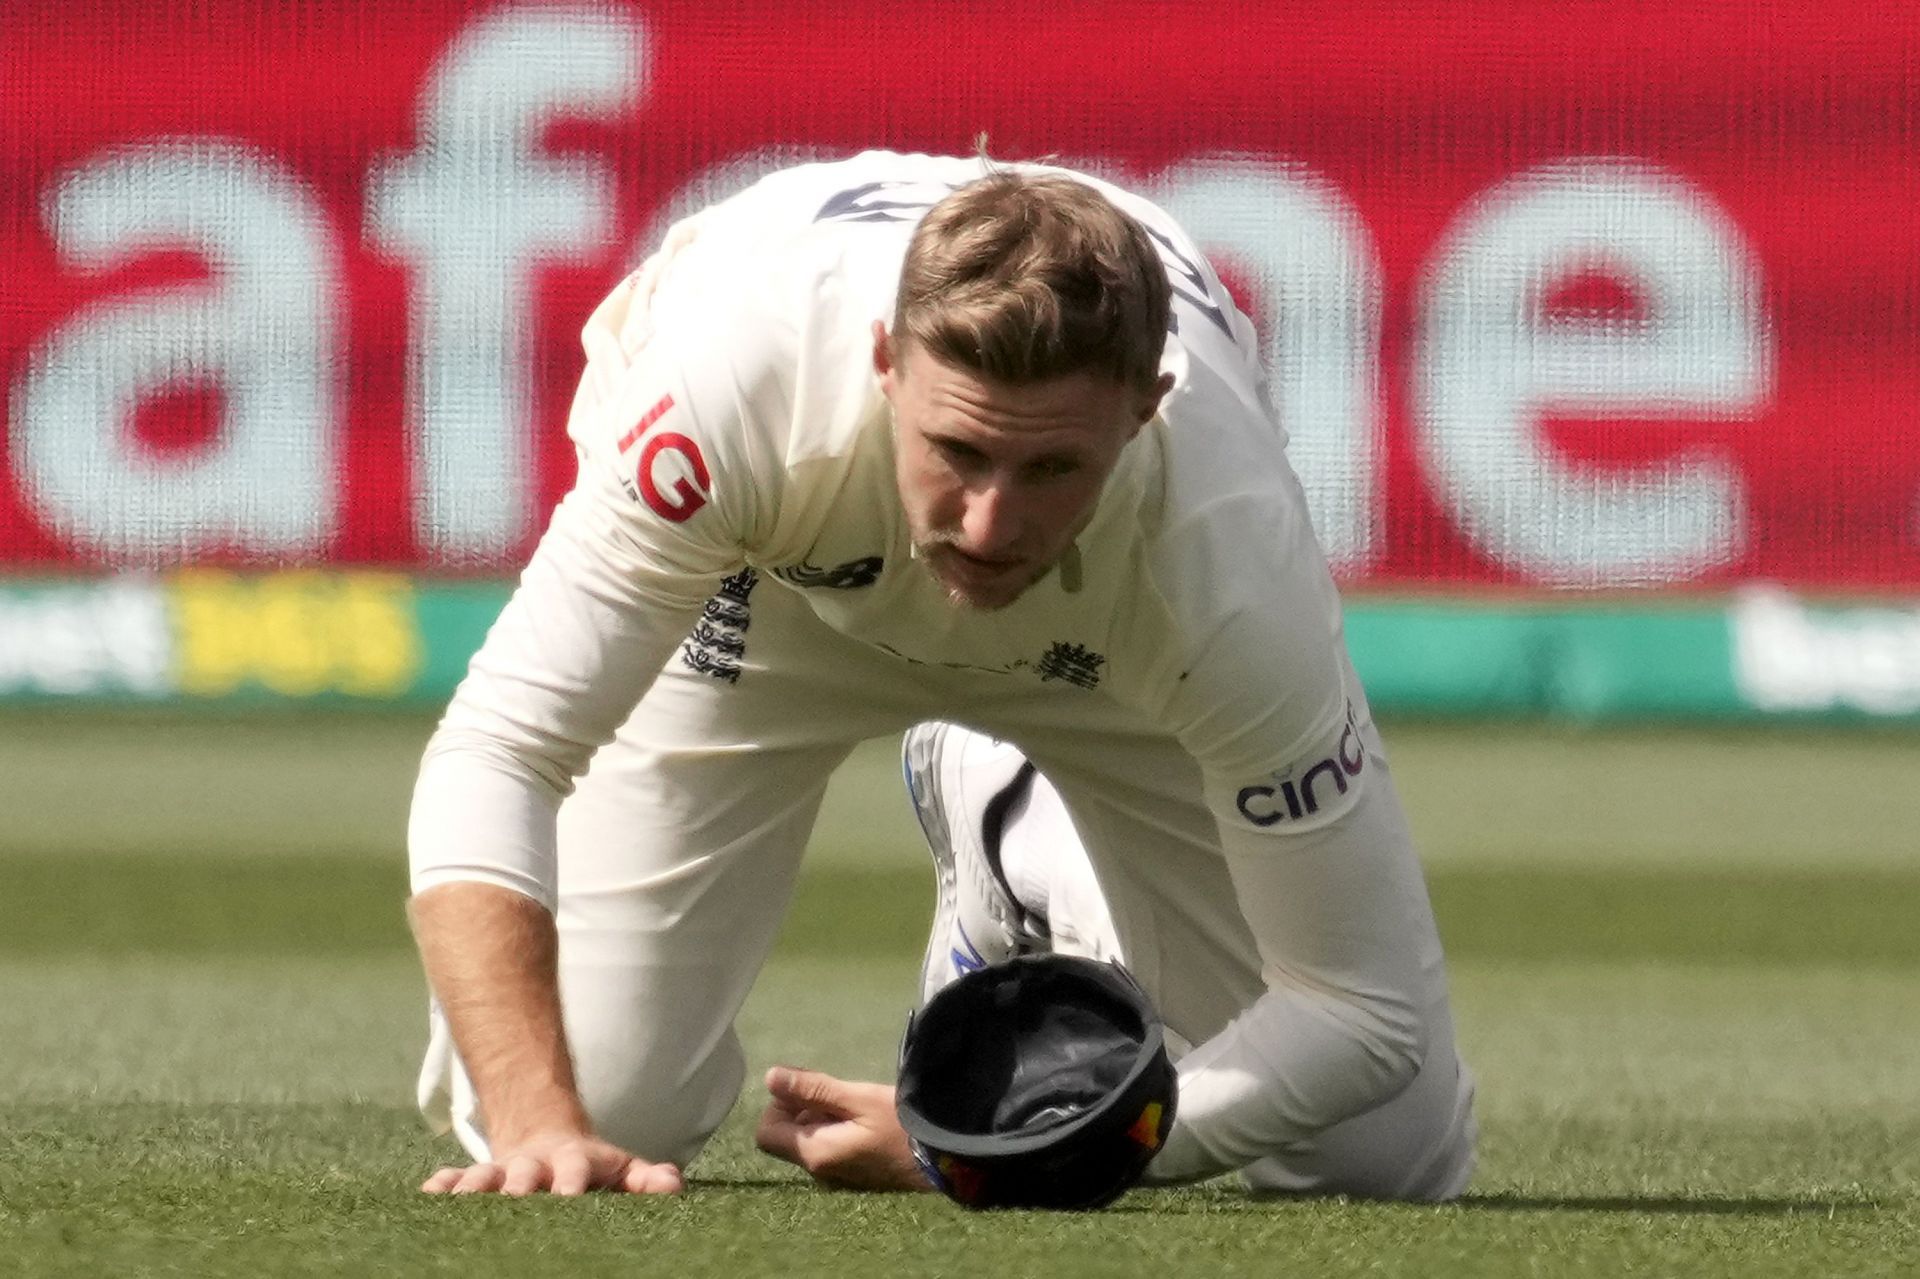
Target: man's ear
point(883, 364)
point(1151, 403)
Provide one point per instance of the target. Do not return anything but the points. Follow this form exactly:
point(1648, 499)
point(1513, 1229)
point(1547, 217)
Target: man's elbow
point(1394, 1035)
point(521, 754)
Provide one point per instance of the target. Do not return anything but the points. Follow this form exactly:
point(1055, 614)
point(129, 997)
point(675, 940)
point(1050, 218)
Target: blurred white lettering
point(1315, 272)
point(86, 639)
point(262, 331)
point(1789, 658)
point(476, 210)
point(1487, 364)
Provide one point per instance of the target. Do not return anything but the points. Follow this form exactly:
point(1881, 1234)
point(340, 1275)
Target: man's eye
point(959, 453)
point(1054, 468)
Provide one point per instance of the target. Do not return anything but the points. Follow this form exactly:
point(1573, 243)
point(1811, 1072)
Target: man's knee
point(660, 1105)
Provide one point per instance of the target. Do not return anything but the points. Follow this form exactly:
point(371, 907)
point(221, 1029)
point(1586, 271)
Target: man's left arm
point(1350, 959)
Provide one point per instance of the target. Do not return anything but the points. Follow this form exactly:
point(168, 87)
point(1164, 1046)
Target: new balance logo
point(969, 960)
point(850, 576)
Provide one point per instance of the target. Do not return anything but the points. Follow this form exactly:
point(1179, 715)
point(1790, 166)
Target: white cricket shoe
point(965, 786)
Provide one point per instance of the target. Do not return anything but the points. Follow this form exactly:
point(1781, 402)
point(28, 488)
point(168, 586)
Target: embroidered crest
point(1075, 663)
point(724, 640)
point(719, 638)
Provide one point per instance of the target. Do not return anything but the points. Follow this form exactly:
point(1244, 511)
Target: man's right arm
point(491, 958)
point(563, 666)
point(609, 594)
point(490, 954)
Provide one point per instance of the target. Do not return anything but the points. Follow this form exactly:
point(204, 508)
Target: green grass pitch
point(1686, 965)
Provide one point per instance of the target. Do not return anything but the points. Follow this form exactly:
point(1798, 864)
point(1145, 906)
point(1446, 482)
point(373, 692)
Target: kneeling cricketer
point(981, 452)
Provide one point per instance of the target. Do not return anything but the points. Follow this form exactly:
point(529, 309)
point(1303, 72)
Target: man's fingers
point(525, 1175)
point(644, 1178)
point(800, 1113)
point(810, 1090)
point(572, 1172)
point(564, 1168)
point(481, 1179)
point(777, 1134)
point(442, 1181)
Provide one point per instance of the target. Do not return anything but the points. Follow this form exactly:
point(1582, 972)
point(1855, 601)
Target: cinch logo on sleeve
point(688, 485)
point(1325, 779)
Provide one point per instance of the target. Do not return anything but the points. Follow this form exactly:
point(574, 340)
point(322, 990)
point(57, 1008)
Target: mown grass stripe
point(182, 903)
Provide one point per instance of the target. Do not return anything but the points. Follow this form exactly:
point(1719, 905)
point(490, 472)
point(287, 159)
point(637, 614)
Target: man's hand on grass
point(563, 1163)
point(845, 1134)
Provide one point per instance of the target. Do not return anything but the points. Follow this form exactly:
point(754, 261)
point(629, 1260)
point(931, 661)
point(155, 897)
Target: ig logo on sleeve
point(688, 484)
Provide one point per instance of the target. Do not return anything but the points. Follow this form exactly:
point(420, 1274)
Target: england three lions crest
point(1077, 664)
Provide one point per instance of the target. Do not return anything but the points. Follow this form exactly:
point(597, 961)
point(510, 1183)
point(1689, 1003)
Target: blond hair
point(1029, 276)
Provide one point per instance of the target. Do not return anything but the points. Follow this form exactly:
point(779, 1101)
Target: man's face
point(996, 479)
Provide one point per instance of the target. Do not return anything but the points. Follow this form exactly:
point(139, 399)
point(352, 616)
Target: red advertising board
point(1583, 294)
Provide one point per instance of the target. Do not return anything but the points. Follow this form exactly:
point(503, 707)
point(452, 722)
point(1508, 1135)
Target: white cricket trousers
point(679, 849)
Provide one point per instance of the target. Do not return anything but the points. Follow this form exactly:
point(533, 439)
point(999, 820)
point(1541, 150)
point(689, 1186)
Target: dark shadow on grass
point(1169, 1201)
point(1670, 1205)
point(776, 1182)
point(1175, 1202)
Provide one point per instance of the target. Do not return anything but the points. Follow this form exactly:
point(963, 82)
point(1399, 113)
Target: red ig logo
point(681, 498)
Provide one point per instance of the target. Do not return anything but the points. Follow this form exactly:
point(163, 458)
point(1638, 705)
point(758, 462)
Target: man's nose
point(990, 522)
